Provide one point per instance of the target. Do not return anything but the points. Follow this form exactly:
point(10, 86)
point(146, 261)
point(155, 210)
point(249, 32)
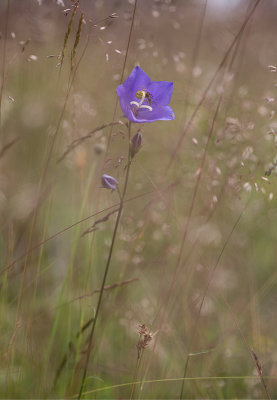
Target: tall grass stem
point(107, 265)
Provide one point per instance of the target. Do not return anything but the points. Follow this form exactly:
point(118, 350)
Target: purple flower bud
point(135, 144)
point(108, 182)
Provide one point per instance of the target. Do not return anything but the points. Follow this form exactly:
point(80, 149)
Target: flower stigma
point(142, 95)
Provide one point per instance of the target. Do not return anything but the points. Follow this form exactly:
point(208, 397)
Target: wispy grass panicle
point(77, 40)
point(69, 27)
point(151, 226)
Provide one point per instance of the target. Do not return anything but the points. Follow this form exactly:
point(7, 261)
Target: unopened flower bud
point(135, 144)
point(108, 182)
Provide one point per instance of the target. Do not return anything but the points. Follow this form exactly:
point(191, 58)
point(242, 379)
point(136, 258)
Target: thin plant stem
point(135, 376)
point(122, 73)
point(107, 266)
point(178, 266)
point(193, 336)
point(191, 379)
point(58, 233)
point(184, 376)
point(207, 89)
point(4, 59)
point(194, 58)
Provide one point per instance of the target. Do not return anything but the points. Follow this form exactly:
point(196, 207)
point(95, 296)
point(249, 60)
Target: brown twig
point(107, 287)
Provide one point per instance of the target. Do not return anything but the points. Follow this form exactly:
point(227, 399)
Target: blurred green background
point(222, 301)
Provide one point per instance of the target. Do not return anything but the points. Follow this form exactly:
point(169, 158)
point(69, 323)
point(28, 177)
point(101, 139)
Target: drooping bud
point(135, 144)
point(108, 182)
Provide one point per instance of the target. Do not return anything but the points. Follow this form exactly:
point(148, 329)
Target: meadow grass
point(165, 289)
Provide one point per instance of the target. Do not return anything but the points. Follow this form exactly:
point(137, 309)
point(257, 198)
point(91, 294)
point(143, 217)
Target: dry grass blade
point(8, 146)
point(104, 219)
point(191, 378)
point(80, 140)
point(107, 287)
point(38, 245)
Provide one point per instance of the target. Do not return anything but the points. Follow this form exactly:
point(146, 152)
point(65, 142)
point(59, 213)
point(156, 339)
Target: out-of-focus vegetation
point(195, 252)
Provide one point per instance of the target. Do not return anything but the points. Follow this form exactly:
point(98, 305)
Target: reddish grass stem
point(206, 91)
point(193, 336)
point(177, 266)
point(4, 59)
point(194, 58)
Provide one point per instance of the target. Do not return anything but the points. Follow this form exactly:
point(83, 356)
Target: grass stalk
point(4, 59)
point(107, 266)
point(178, 262)
point(207, 89)
point(135, 376)
point(122, 73)
point(10, 266)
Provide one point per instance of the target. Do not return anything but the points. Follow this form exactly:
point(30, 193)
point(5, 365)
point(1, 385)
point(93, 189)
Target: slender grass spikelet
point(68, 31)
point(77, 39)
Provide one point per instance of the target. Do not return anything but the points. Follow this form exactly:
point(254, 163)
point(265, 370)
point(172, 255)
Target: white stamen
point(140, 105)
point(135, 103)
point(147, 107)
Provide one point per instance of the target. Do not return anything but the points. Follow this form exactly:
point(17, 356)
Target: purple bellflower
point(108, 182)
point(143, 100)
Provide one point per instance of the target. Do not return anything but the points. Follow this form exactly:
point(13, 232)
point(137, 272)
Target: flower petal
point(159, 113)
point(161, 92)
point(160, 95)
point(125, 103)
point(137, 79)
point(108, 182)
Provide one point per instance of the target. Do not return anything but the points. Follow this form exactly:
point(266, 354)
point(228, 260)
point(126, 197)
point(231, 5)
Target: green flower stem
point(107, 265)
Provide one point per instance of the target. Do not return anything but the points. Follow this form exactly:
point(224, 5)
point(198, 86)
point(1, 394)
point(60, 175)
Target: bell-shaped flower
point(108, 182)
point(143, 100)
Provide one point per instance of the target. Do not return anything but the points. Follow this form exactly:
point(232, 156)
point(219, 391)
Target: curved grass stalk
point(192, 378)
